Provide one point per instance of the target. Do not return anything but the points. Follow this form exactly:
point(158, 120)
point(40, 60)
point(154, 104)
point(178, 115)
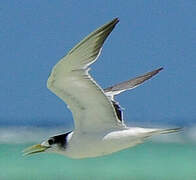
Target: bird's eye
point(51, 141)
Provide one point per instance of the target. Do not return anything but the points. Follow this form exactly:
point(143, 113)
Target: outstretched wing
point(124, 86)
point(69, 80)
point(130, 84)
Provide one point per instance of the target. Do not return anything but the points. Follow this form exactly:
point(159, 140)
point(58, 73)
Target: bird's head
point(53, 144)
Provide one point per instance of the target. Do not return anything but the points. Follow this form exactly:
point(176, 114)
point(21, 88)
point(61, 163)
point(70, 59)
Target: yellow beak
point(35, 149)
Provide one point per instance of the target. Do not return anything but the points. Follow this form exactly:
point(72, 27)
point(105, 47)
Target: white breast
point(93, 145)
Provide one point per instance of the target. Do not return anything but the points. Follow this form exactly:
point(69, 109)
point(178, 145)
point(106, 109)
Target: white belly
point(98, 144)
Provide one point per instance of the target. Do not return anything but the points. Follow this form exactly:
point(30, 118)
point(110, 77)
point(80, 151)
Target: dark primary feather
point(132, 83)
point(126, 85)
point(118, 110)
point(102, 32)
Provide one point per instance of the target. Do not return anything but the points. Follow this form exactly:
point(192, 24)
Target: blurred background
point(151, 34)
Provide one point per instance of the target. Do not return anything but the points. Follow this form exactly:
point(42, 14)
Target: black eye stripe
point(60, 140)
point(51, 141)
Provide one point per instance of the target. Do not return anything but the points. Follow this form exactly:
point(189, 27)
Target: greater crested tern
point(99, 126)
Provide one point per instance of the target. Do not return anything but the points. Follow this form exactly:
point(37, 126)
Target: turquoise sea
point(152, 160)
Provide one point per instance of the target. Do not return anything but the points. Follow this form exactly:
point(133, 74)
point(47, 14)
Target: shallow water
point(149, 161)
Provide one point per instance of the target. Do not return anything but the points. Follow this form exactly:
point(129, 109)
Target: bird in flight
point(99, 128)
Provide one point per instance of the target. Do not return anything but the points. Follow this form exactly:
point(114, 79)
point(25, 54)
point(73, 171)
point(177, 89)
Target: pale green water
point(149, 161)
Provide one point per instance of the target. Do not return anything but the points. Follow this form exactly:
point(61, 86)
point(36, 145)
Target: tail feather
point(166, 131)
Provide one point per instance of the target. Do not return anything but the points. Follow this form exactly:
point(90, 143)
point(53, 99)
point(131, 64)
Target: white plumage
point(99, 127)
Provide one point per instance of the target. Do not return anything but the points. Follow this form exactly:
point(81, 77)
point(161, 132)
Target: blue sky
point(36, 34)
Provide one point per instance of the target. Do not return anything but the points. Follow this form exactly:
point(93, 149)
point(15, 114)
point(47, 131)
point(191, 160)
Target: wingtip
point(160, 69)
point(115, 21)
point(156, 71)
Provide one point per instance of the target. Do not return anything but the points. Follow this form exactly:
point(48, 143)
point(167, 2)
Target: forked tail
point(166, 131)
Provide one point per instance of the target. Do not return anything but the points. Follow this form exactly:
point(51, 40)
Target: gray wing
point(127, 85)
point(69, 80)
point(130, 84)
